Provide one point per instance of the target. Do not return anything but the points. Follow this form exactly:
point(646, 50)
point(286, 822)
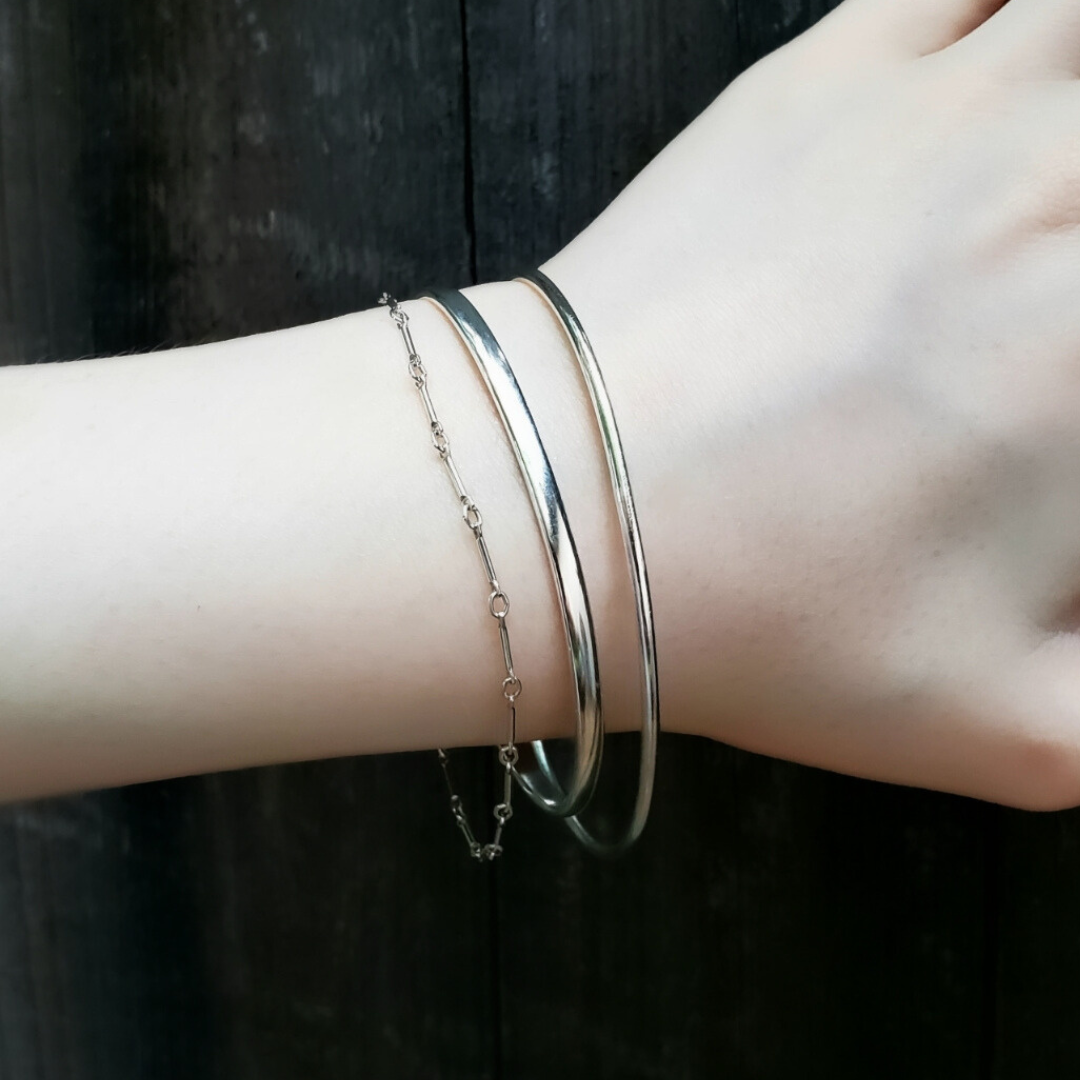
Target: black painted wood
point(183, 171)
point(765, 25)
point(178, 172)
point(775, 921)
point(1036, 1035)
point(569, 101)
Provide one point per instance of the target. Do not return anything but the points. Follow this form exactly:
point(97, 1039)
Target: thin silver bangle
point(543, 787)
point(609, 432)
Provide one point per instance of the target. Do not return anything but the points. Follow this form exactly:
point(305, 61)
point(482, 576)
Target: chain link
point(498, 607)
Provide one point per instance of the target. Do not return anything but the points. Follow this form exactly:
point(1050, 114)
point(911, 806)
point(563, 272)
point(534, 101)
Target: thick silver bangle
point(543, 786)
point(609, 432)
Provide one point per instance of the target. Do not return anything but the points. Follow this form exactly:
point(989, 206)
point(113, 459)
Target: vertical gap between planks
point(738, 35)
point(991, 928)
point(491, 868)
point(466, 101)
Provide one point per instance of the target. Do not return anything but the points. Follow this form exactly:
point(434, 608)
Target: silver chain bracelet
point(498, 604)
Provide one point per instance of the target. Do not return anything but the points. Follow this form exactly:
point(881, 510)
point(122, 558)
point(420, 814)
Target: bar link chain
point(498, 607)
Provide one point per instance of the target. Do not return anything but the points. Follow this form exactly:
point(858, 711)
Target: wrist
point(551, 382)
point(652, 344)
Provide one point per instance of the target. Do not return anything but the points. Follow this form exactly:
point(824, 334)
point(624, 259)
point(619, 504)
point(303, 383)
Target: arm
point(248, 552)
point(838, 321)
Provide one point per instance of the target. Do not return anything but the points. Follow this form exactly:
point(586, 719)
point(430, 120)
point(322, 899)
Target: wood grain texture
point(179, 170)
point(1037, 943)
point(45, 289)
point(569, 101)
point(775, 921)
point(765, 25)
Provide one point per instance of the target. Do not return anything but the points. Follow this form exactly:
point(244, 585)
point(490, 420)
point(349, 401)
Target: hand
point(838, 318)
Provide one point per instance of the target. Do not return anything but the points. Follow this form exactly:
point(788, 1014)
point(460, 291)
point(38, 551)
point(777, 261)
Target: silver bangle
point(543, 787)
point(650, 691)
point(535, 467)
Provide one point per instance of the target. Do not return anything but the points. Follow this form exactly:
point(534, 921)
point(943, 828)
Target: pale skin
point(839, 324)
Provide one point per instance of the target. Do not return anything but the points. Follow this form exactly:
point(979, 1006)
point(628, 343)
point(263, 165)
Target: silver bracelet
point(620, 479)
point(543, 786)
point(498, 607)
point(536, 470)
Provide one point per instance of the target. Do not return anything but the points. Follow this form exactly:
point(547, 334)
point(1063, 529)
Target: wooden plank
point(765, 25)
point(1037, 991)
point(773, 916)
point(570, 101)
point(213, 170)
point(776, 921)
point(344, 929)
point(100, 950)
point(44, 287)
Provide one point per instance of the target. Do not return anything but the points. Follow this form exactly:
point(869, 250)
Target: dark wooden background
point(175, 171)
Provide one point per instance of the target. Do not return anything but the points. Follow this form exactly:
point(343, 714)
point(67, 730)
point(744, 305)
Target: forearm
point(860, 520)
point(248, 552)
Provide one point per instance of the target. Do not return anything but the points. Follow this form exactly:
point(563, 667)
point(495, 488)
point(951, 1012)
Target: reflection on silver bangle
point(543, 787)
point(620, 479)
